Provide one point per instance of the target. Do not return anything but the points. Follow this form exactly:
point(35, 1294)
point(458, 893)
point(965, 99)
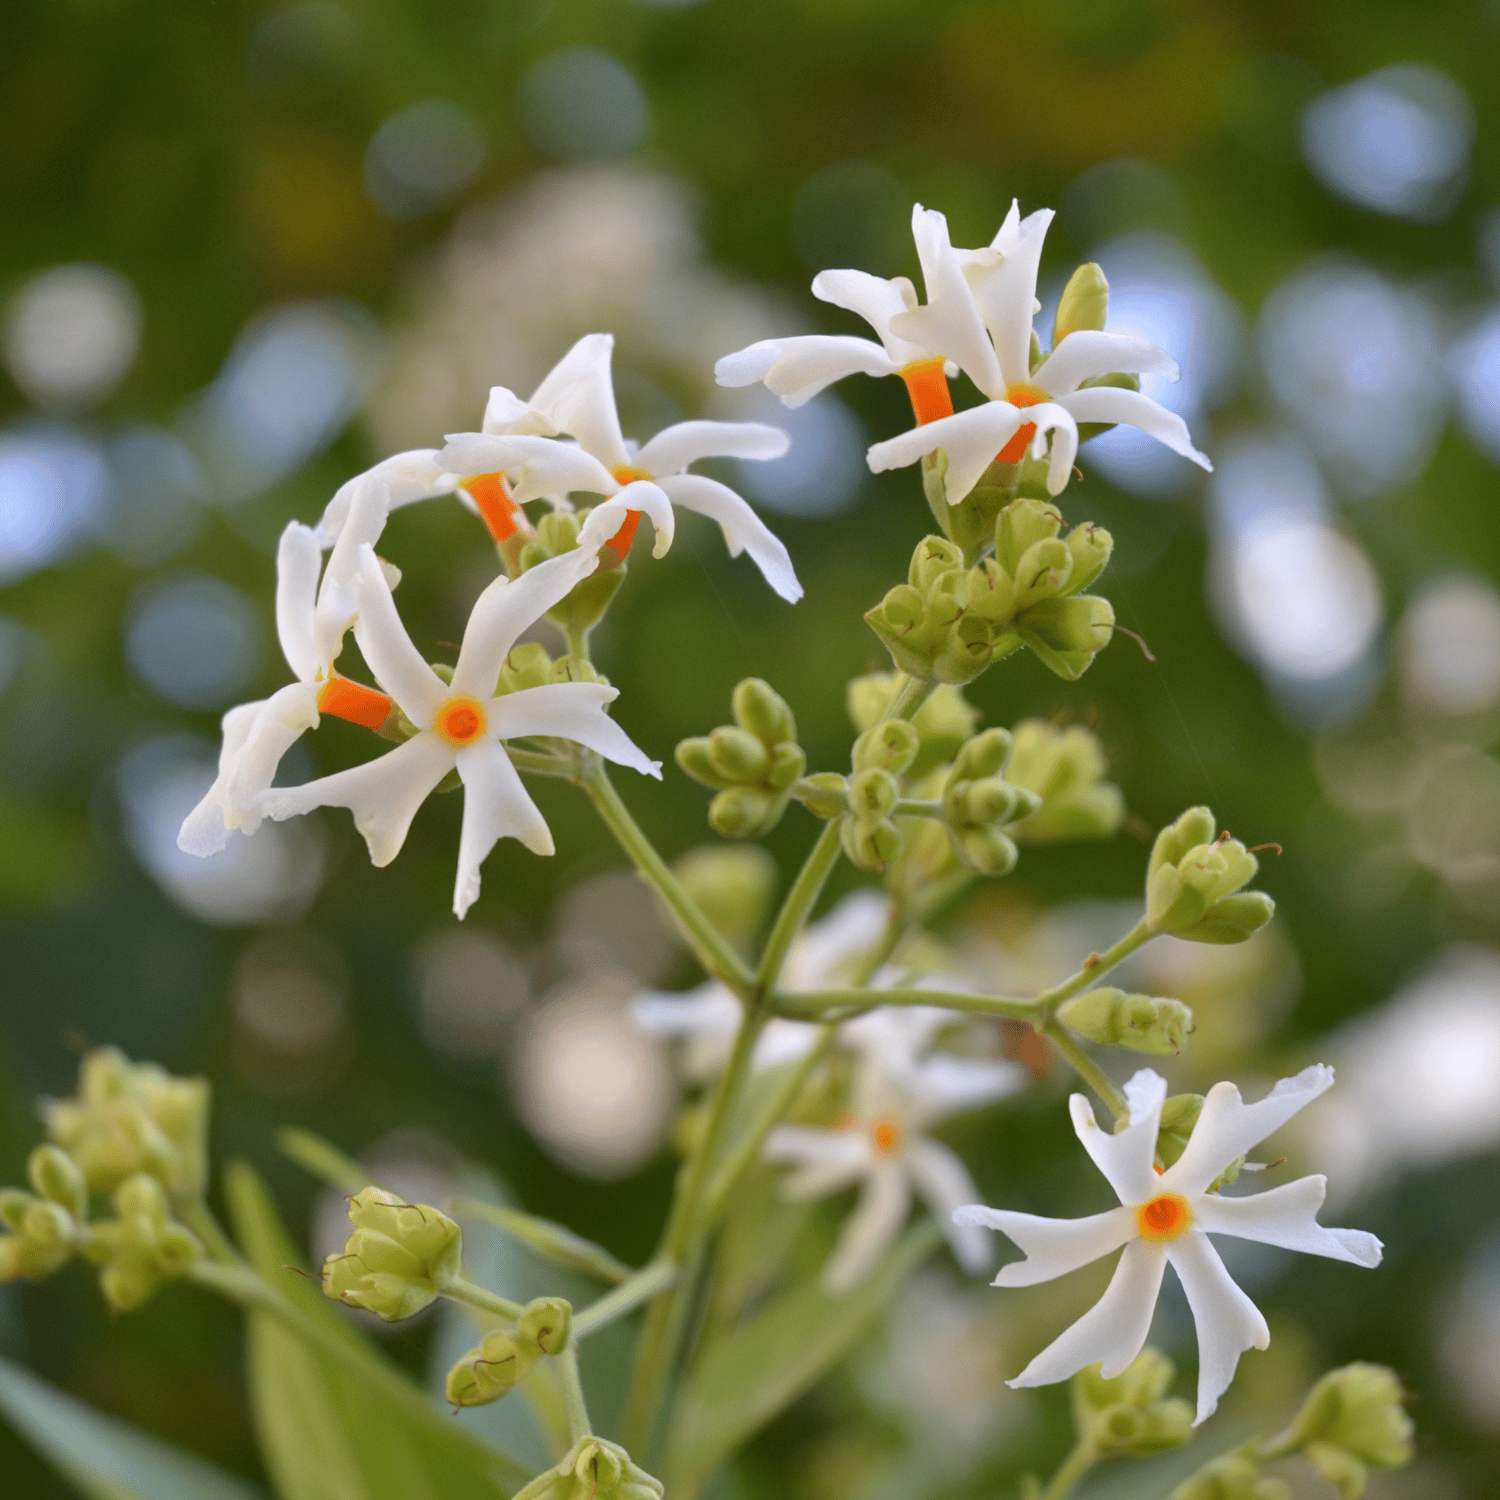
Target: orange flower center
point(1163, 1218)
point(1021, 395)
point(620, 542)
point(460, 721)
point(887, 1135)
point(927, 386)
point(353, 701)
point(496, 508)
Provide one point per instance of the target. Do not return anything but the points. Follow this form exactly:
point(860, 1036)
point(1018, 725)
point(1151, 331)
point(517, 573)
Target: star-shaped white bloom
point(462, 724)
point(1025, 405)
point(1166, 1218)
point(882, 1145)
point(652, 478)
point(312, 618)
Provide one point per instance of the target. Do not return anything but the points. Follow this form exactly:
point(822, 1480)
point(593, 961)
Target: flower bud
point(988, 801)
point(965, 651)
point(547, 1323)
point(733, 886)
point(737, 755)
point(1042, 572)
point(576, 669)
point(824, 794)
point(985, 755)
point(1178, 1116)
point(745, 812)
point(1090, 547)
point(692, 755)
point(1084, 304)
point(1020, 526)
point(1080, 625)
point(492, 1370)
point(55, 1175)
point(1143, 1023)
point(760, 709)
point(1233, 1477)
point(942, 723)
point(990, 592)
point(1196, 826)
point(1357, 1410)
point(142, 1248)
point(872, 793)
point(400, 1256)
point(1195, 896)
point(1065, 768)
point(890, 746)
point(985, 850)
point(934, 558)
point(1128, 1415)
point(527, 665)
point(1233, 919)
point(788, 762)
point(557, 532)
point(870, 844)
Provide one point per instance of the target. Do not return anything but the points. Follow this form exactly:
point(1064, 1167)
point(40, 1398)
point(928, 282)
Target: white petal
point(496, 806)
point(875, 1224)
point(583, 404)
point(675, 447)
point(785, 1041)
point(744, 531)
point(383, 794)
point(944, 1184)
point(970, 438)
point(1084, 354)
point(1227, 1127)
point(1103, 403)
point(1006, 292)
point(711, 1010)
point(796, 369)
point(1286, 1216)
point(1126, 1159)
point(1228, 1321)
point(205, 831)
point(283, 718)
point(507, 608)
point(543, 467)
point(571, 711)
point(829, 1160)
point(877, 300)
point(585, 360)
point(339, 594)
point(408, 477)
point(1052, 1247)
point(505, 412)
point(298, 561)
point(942, 1085)
point(1113, 1331)
point(1009, 233)
point(605, 519)
point(396, 664)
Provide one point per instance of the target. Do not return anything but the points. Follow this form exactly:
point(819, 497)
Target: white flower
point(312, 619)
point(1168, 1218)
point(651, 478)
point(462, 724)
point(707, 1018)
point(1025, 404)
point(882, 1144)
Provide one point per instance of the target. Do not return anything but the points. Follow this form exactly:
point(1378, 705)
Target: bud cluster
point(133, 1117)
point(504, 1359)
point(1066, 768)
point(978, 802)
point(1194, 883)
point(400, 1256)
point(1131, 1416)
point(1236, 1476)
point(142, 1247)
point(950, 622)
point(943, 723)
point(751, 763)
point(1352, 1421)
point(593, 1469)
point(44, 1228)
point(1143, 1023)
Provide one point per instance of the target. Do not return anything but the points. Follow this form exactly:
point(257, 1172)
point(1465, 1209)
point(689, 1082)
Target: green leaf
point(742, 1382)
point(108, 1459)
point(349, 1428)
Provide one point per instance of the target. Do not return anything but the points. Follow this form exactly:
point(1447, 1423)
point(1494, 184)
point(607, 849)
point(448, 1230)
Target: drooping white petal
point(1113, 1331)
point(298, 560)
point(1126, 1159)
point(827, 1160)
point(496, 806)
point(383, 794)
point(744, 531)
point(796, 369)
point(949, 323)
point(542, 467)
point(408, 477)
point(871, 1229)
point(1084, 354)
point(604, 521)
point(1005, 292)
point(942, 1085)
point(205, 831)
point(1286, 1216)
point(1064, 447)
point(339, 593)
point(396, 663)
point(943, 1183)
point(571, 711)
point(1104, 403)
point(507, 608)
point(1227, 1127)
point(505, 412)
point(970, 438)
point(1228, 1321)
point(579, 396)
point(877, 300)
point(684, 443)
point(1052, 1247)
point(283, 718)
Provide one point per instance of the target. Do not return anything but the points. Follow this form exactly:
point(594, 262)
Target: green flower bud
point(1233, 1477)
point(872, 793)
point(593, 1469)
point(1196, 826)
point(759, 708)
point(1090, 547)
point(788, 762)
point(965, 652)
point(1141, 1022)
point(942, 723)
point(985, 850)
point(142, 1248)
point(733, 886)
point(1043, 571)
point(576, 669)
point(547, 1323)
point(934, 558)
point(1128, 1415)
point(557, 531)
point(825, 794)
point(1340, 1468)
point(13, 1206)
point(985, 755)
point(400, 1256)
point(692, 755)
point(1195, 895)
point(870, 844)
point(890, 746)
point(990, 592)
point(55, 1175)
point(526, 666)
point(737, 755)
point(1233, 919)
point(1020, 526)
point(981, 802)
point(1357, 1408)
point(1065, 768)
point(745, 812)
point(586, 603)
point(1080, 625)
point(1084, 304)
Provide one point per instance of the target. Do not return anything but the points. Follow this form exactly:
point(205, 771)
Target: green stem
point(1074, 1467)
point(799, 902)
point(578, 641)
point(572, 1386)
point(712, 951)
point(1086, 1068)
point(199, 1218)
point(553, 1241)
point(912, 807)
point(625, 1298)
point(460, 1289)
point(1093, 969)
point(819, 1005)
point(540, 763)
